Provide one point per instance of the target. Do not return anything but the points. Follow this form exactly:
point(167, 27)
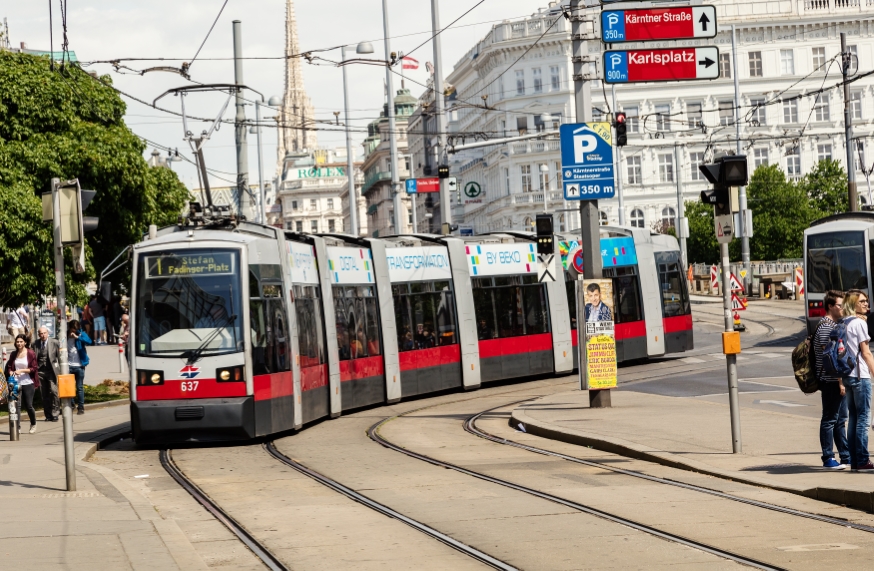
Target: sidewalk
point(103, 364)
point(780, 450)
point(105, 524)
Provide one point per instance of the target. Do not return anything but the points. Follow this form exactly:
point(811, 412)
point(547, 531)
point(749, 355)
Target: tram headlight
point(230, 374)
point(146, 378)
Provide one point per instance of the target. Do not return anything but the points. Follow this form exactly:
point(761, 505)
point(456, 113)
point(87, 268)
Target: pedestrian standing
point(77, 359)
point(858, 384)
point(832, 430)
point(48, 360)
point(23, 364)
point(98, 316)
point(17, 322)
point(86, 316)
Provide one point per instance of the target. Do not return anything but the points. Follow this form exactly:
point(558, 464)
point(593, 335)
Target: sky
point(100, 30)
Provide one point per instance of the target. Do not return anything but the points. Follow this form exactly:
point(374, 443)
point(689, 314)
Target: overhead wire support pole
point(846, 61)
point(440, 111)
point(618, 168)
point(243, 202)
point(350, 162)
point(262, 195)
point(730, 359)
point(681, 210)
point(743, 231)
point(392, 138)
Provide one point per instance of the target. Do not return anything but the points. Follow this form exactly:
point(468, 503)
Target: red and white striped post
point(121, 368)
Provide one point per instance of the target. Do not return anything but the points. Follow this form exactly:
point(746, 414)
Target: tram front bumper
point(193, 420)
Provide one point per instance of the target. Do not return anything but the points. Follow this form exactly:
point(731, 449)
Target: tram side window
point(510, 306)
point(536, 309)
point(424, 315)
point(627, 290)
point(357, 318)
point(267, 323)
point(675, 298)
point(571, 290)
point(311, 338)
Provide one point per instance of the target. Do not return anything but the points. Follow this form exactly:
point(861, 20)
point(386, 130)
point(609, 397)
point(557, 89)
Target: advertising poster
point(600, 339)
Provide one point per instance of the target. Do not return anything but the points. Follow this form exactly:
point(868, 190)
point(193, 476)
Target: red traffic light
point(620, 118)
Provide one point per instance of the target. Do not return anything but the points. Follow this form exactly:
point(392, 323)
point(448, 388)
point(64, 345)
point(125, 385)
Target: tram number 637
point(188, 386)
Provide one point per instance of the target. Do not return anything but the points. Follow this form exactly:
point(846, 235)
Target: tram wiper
point(194, 355)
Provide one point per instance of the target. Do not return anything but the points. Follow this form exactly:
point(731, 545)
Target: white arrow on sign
point(778, 403)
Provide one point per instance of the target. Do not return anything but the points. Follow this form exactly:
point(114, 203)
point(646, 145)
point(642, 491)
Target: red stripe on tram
point(679, 323)
point(193, 389)
point(361, 368)
point(273, 386)
point(432, 357)
point(515, 345)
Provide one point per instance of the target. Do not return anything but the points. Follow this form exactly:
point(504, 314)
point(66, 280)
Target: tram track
point(374, 433)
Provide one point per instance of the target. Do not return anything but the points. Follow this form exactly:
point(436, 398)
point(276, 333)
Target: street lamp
point(363, 48)
point(544, 174)
point(256, 130)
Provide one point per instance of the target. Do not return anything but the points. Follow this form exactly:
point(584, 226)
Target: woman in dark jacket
point(23, 364)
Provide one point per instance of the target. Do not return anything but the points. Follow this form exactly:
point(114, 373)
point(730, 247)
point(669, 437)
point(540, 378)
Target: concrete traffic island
point(781, 451)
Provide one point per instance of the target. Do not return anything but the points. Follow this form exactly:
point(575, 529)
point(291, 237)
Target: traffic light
point(545, 238)
point(73, 201)
point(621, 129)
point(443, 171)
point(728, 173)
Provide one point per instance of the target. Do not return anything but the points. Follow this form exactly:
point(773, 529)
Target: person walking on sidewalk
point(832, 430)
point(22, 363)
point(77, 359)
point(49, 369)
point(99, 316)
point(16, 322)
point(858, 384)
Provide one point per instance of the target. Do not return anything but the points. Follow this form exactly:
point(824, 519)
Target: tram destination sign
point(189, 265)
point(667, 64)
point(649, 24)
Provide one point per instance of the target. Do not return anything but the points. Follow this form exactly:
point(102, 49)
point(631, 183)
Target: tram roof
point(861, 215)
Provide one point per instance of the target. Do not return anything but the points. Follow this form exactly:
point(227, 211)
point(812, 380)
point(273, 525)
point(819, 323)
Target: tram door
point(676, 306)
point(356, 314)
point(425, 316)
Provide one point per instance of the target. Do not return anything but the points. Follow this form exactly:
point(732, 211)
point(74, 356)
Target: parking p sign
point(587, 161)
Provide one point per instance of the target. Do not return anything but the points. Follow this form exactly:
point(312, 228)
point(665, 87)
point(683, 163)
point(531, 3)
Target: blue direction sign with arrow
point(587, 161)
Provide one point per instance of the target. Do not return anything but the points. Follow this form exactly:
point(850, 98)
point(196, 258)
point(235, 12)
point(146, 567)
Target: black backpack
point(804, 364)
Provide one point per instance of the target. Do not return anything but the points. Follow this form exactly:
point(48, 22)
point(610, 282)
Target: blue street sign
point(410, 184)
point(587, 161)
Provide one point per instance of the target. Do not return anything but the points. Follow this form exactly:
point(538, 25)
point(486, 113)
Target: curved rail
point(385, 510)
point(470, 426)
point(373, 433)
point(213, 508)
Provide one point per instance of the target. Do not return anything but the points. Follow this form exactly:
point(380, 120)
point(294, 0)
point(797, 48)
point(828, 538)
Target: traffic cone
point(738, 326)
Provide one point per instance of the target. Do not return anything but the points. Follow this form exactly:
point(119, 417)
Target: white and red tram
point(243, 331)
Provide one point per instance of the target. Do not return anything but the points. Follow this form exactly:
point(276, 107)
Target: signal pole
point(440, 111)
point(392, 138)
point(848, 127)
point(743, 231)
point(243, 201)
point(618, 168)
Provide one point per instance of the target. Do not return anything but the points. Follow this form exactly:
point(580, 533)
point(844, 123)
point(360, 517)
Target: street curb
point(106, 404)
point(856, 499)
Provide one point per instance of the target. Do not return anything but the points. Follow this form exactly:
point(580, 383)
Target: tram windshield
point(836, 260)
point(188, 302)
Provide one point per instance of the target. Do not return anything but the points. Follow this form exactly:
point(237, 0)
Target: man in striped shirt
point(832, 427)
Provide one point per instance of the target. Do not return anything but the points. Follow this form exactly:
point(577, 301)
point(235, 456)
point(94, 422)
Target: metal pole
point(618, 165)
point(681, 213)
point(730, 360)
point(743, 232)
point(413, 196)
point(440, 104)
point(243, 201)
point(848, 126)
point(61, 294)
point(263, 195)
point(392, 139)
point(350, 162)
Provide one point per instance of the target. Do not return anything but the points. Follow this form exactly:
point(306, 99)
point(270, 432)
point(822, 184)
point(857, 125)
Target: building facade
point(518, 80)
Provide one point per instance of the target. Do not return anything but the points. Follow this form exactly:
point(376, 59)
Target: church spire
point(297, 109)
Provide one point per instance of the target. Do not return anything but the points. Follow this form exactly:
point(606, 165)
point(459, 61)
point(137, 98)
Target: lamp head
point(364, 48)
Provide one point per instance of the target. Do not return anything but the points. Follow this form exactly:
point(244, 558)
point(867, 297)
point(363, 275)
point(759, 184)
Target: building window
point(856, 104)
point(823, 152)
point(289, 225)
point(760, 157)
point(854, 62)
point(557, 175)
point(294, 204)
point(331, 225)
point(632, 118)
point(507, 180)
point(543, 171)
point(528, 223)
point(663, 117)
point(635, 171)
point(818, 59)
point(725, 65)
point(330, 204)
point(522, 124)
point(790, 111)
point(526, 178)
point(694, 115)
point(726, 112)
point(793, 162)
point(314, 204)
point(821, 109)
point(555, 77)
point(520, 82)
point(787, 62)
point(666, 168)
point(314, 226)
point(757, 112)
point(637, 218)
point(538, 80)
point(755, 64)
point(597, 114)
point(695, 161)
point(669, 216)
point(602, 217)
point(298, 226)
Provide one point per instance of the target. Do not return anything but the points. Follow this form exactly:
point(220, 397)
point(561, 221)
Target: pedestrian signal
point(545, 238)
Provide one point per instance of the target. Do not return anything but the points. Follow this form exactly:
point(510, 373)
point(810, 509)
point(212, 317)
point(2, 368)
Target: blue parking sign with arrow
point(587, 161)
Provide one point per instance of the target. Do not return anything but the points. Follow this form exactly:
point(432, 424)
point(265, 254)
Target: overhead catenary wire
point(208, 33)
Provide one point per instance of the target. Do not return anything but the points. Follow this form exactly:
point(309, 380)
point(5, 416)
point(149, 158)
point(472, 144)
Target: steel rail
point(373, 433)
point(470, 426)
point(385, 510)
point(270, 560)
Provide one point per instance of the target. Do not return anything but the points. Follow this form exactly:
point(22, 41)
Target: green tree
point(826, 187)
point(701, 245)
point(68, 124)
point(781, 213)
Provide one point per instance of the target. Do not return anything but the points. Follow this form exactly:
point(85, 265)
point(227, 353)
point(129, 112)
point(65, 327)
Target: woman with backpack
point(858, 383)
